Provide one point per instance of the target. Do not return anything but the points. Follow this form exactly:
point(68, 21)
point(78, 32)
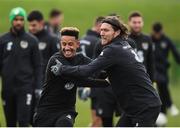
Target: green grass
point(81, 13)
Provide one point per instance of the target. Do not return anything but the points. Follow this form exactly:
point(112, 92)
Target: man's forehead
point(105, 26)
point(34, 22)
point(68, 38)
point(19, 17)
point(136, 18)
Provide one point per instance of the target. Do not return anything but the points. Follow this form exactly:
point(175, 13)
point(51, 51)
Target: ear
point(142, 23)
point(117, 33)
point(42, 22)
point(78, 43)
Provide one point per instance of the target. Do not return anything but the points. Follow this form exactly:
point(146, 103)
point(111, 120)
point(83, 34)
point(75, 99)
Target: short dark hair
point(134, 14)
point(99, 19)
point(157, 27)
point(117, 25)
point(55, 13)
point(70, 31)
point(35, 15)
point(114, 14)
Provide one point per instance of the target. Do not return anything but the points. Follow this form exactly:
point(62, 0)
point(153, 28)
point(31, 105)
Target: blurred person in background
point(87, 46)
point(56, 18)
point(163, 46)
point(47, 42)
point(143, 42)
point(20, 68)
point(47, 45)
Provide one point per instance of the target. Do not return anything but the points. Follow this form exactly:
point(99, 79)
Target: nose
point(102, 33)
point(67, 47)
point(30, 28)
point(19, 21)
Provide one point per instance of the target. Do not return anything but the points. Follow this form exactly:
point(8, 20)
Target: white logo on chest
point(24, 44)
point(163, 45)
point(42, 45)
point(145, 45)
point(69, 86)
point(9, 46)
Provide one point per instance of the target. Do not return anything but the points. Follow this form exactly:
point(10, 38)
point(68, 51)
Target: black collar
point(17, 33)
point(41, 33)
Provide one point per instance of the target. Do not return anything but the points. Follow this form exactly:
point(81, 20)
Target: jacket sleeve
point(90, 82)
point(151, 62)
point(103, 61)
point(174, 50)
point(37, 65)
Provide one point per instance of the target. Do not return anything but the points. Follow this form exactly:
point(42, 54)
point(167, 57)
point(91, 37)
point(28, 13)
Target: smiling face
point(107, 33)
point(69, 45)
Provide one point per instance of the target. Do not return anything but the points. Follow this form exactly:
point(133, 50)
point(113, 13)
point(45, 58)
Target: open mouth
point(68, 52)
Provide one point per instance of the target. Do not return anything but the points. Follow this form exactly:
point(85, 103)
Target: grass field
point(81, 13)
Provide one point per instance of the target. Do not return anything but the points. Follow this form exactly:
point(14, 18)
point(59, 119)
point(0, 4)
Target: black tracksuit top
point(20, 60)
point(130, 81)
point(59, 92)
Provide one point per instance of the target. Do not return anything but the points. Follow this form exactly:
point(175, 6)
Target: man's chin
point(68, 56)
point(104, 43)
point(18, 28)
point(136, 31)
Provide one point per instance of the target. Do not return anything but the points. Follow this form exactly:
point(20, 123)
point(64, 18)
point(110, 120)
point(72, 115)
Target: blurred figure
point(48, 45)
point(92, 37)
point(87, 46)
point(56, 18)
point(47, 42)
point(143, 42)
point(163, 45)
point(20, 67)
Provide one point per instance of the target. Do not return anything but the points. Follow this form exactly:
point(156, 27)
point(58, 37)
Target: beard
point(18, 30)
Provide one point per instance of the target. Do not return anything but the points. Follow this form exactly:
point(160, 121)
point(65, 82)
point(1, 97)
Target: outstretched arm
point(88, 82)
point(104, 60)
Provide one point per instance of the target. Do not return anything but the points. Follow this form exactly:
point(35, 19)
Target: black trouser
point(165, 96)
point(33, 106)
point(17, 106)
point(54, 119)
point(145, 118)
point(107, 105)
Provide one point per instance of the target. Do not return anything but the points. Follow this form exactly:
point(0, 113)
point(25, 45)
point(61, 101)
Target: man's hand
point(84, 93)
point(56, 68)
